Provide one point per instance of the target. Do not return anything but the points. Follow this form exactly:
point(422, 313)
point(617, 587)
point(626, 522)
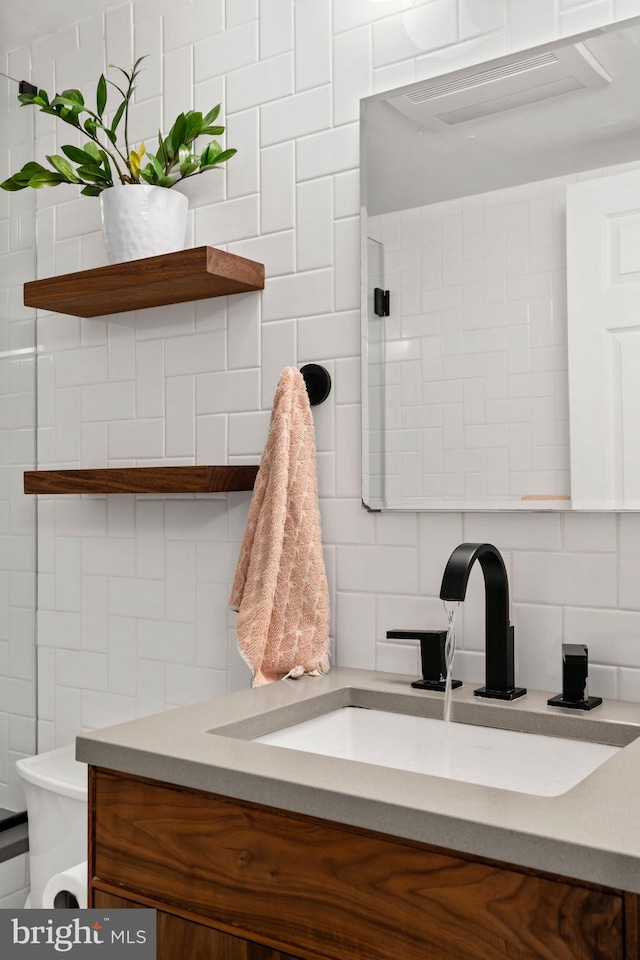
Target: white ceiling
point(23, 21)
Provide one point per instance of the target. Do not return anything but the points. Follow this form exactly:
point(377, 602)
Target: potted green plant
point(142, 222)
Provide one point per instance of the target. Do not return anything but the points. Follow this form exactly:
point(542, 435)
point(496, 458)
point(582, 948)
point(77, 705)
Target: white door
point(603, 303)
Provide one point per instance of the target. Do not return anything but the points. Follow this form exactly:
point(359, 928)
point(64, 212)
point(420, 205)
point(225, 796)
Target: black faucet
point(499, 634)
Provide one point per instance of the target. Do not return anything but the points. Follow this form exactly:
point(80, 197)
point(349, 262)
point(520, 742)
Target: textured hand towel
point(280, 586)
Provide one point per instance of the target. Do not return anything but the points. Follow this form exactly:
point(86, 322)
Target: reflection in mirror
point(500, 211)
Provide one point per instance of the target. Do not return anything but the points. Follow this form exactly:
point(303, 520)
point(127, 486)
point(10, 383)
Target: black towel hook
point(318, 382)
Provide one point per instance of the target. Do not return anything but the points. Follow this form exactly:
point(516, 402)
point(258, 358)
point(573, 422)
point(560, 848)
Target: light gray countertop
point(591, 832)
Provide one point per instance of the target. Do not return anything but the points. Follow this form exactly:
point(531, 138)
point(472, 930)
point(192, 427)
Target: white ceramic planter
point(140, 220)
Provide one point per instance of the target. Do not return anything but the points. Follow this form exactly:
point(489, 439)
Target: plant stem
point(95, 139)
point(108, 153)
point(99, 142)
point(122, 157)
point(126, 117)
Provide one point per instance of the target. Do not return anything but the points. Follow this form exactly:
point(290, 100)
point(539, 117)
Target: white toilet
point(55, 786)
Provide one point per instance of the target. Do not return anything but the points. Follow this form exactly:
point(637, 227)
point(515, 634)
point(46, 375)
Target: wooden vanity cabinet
point(238, 881)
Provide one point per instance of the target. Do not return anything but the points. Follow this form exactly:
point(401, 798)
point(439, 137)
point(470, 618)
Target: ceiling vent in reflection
point(518, 82)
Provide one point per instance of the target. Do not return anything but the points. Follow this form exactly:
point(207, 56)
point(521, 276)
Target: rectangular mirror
point(501, 283)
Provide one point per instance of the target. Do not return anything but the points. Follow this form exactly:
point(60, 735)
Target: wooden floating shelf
point(200, 479)
point(152, 282)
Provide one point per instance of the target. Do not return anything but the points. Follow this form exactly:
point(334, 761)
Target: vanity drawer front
point(179, 938)
point(333, 891)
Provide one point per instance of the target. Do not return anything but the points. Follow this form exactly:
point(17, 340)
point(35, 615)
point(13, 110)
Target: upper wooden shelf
point(152, 282)
point(199, 479)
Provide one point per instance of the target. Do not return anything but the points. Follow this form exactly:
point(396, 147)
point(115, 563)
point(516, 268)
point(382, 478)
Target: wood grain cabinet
point(239, 881)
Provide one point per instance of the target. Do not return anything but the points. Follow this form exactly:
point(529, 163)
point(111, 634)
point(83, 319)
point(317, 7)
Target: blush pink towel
point(280, 586)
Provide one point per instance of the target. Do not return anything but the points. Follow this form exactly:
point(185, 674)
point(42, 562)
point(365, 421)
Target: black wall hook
point(318, 382)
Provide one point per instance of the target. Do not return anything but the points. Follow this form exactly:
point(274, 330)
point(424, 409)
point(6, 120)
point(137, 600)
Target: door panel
point(603, 302)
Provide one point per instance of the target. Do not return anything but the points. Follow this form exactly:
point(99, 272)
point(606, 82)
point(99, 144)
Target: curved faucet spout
point(499, 634)
point(458, 568)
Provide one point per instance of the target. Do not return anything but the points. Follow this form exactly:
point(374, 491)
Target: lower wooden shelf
point(199, 479)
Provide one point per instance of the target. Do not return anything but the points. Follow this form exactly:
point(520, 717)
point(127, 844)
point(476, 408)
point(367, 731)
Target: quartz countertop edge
point(590, 833)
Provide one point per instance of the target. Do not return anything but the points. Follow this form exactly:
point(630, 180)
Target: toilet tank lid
point(57, 771)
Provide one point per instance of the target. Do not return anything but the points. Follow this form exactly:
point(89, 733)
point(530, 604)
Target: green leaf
point(106, 164)
point(93, 151)
point(211, 116)
point(169, 149)
point(63, 167)
point(221, 157)
point(194, 126)
point(73, 95)
point(178, 131)
point(210, 152)
point(117, 117)
point(62, 101)
point(128, 76)
point(12, 185)
point(184, 154)
point(22, 177)
point(110, 135)
point(187, 169)
point(91, 126)
point(39, 99)
point(92, 191)
point(93, 174)
point(212, 131)
point(160, 152)
point(167, 181)
point(32, 167)
point(119, 89)
point(77, 154)
point(46, 179)
point(69, 115)
point(157, 166)
point(101, 95)
point(147, 173)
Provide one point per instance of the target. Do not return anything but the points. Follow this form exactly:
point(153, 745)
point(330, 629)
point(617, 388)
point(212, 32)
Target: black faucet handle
point(575, 671)
point(432, 657)
point(575, 679)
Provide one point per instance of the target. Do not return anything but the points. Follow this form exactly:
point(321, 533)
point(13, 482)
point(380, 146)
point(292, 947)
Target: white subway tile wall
point(17, 453)
point(133, 613)
point(14, 882)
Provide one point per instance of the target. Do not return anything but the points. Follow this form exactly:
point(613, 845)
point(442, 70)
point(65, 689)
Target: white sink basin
point(524, 762)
